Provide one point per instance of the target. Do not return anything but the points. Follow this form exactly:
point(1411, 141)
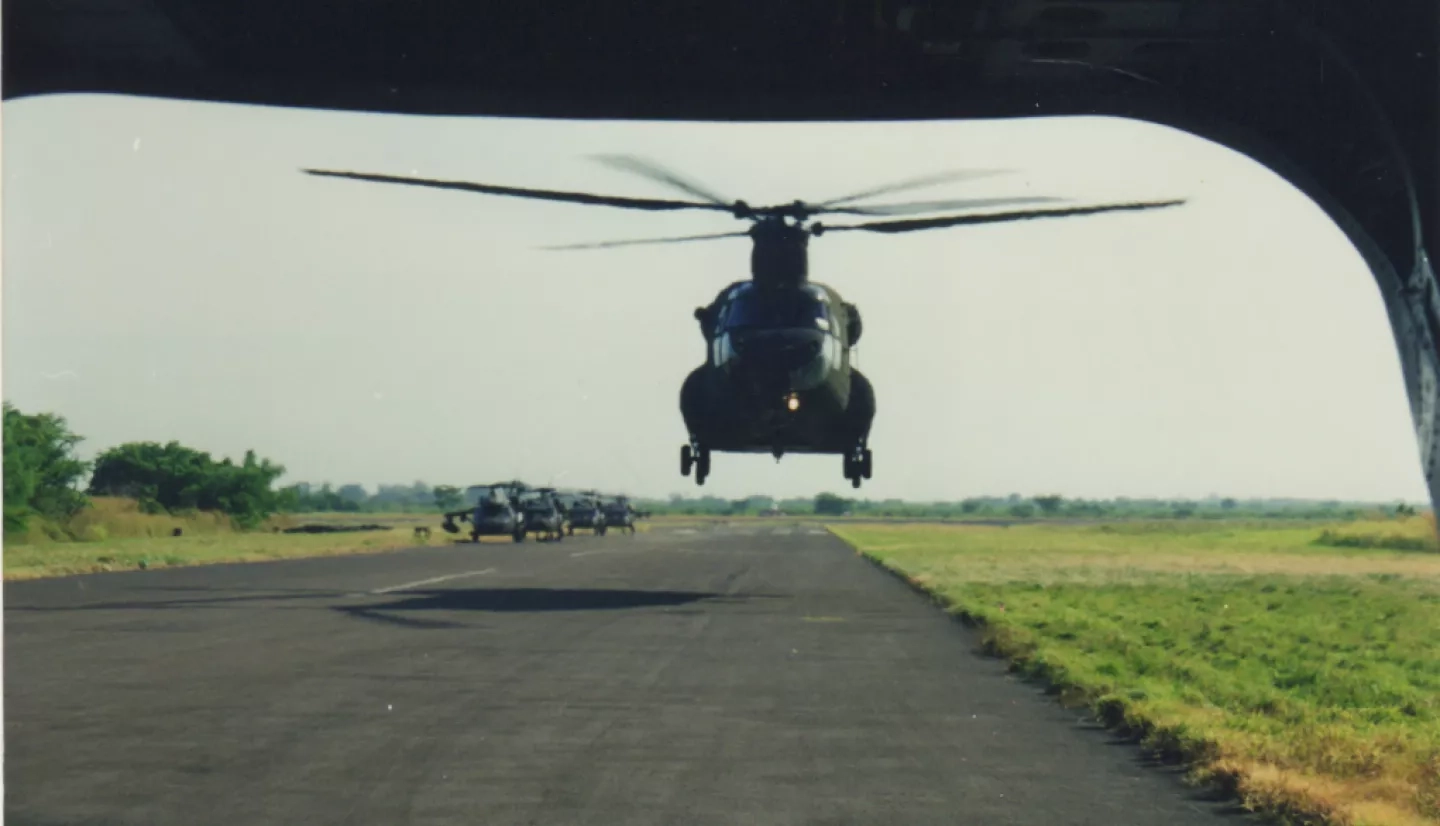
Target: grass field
point(1304, 677)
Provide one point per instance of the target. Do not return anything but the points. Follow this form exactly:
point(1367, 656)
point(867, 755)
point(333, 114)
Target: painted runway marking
point(430, 581)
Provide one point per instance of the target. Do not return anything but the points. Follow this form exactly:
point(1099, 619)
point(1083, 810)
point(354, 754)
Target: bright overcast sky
point(170, 274)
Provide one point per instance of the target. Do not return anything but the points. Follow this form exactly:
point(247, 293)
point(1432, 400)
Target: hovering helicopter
point(778, 376)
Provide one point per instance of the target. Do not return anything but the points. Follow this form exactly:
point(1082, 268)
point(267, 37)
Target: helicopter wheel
point(702, 465)
point(865, 466)
point(687, 459)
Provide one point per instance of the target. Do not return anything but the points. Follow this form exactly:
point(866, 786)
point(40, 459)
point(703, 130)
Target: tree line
point(43, 478)
point(304, 497)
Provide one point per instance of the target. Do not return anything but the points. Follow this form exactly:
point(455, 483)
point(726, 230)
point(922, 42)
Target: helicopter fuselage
point(777, 377)
point(495, 518)
point(725, 413)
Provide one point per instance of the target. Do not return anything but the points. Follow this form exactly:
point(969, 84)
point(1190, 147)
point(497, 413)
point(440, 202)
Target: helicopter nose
point(778, 352)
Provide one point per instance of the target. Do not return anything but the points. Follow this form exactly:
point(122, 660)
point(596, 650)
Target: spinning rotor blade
point(542, 194)
point(655, 172)
point(915, 183)
point(607, 244)
point(993, 218)
point(914, 207)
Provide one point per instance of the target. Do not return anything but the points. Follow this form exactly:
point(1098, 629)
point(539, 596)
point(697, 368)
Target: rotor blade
point(542, 194)
point(916, 183)
point(913, 207)
point(655, 172)
point(996, 217)
point(607, 244)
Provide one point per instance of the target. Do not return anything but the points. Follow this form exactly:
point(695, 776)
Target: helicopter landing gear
point(858, 465)
point(699, 458)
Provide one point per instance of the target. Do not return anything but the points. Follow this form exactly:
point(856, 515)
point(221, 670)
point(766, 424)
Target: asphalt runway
point(721, 674)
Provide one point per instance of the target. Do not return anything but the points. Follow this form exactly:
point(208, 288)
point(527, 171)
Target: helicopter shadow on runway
point(527, 600)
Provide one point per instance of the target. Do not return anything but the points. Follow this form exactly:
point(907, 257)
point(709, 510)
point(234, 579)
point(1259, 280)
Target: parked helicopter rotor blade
point(655, 172)
point(542, 194)
point(608, 244)
point(915, 183)
point(990, 218)
point(914, 207)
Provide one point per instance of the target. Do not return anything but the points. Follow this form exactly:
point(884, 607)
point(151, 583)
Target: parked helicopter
point(778, 376)
point(620, 514)
point(585, 512)
point(544, 513)
point(496, 512)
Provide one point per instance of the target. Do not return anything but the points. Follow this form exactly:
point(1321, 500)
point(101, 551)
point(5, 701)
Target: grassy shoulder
point(113, 535)
point(1304, 676)
point(60, 559)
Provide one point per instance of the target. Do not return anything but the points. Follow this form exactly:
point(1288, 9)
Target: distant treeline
point(352, 498)
point(43, 480)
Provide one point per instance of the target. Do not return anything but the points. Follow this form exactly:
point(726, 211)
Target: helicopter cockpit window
point(486, 496)
point(749, 311)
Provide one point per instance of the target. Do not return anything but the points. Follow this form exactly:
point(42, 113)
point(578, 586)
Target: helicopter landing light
point(792, 402)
